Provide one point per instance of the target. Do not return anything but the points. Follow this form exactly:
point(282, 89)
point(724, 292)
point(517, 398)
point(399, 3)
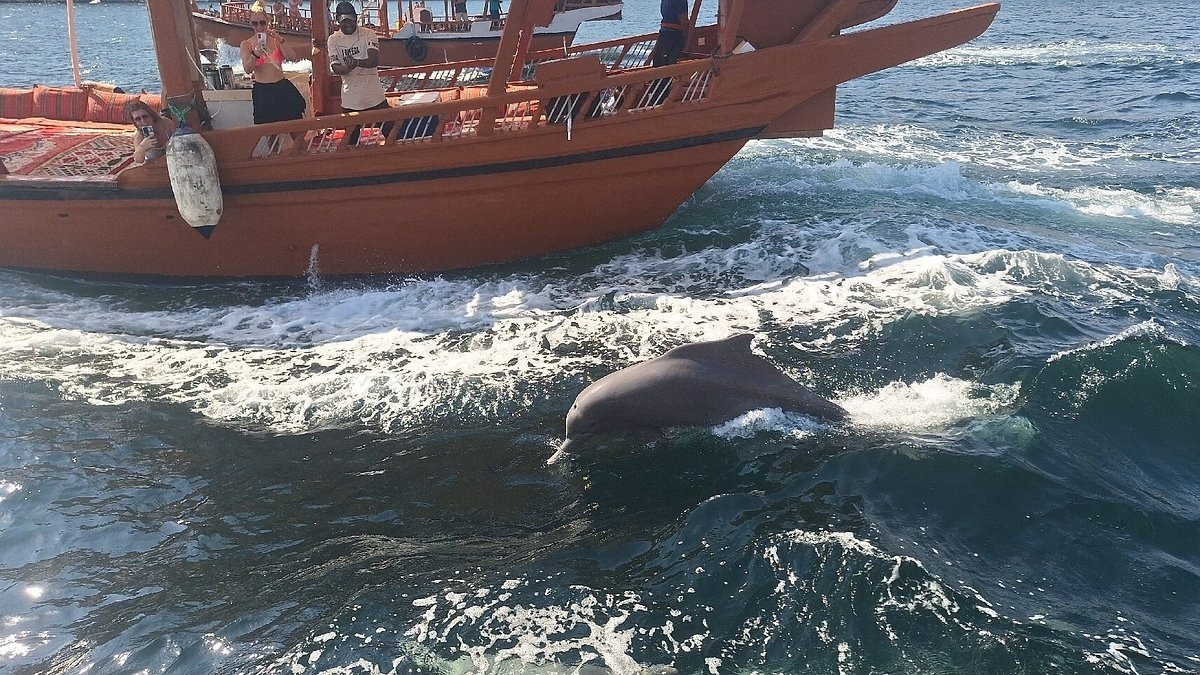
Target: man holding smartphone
point(354, 56)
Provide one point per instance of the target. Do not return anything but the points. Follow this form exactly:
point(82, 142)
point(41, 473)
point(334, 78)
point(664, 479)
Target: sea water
point(991, 262)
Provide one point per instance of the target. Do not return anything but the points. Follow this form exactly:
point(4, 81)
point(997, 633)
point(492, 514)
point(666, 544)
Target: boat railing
point(433, 117)
point(239, 13)
point(452, 26)
point(616, 55)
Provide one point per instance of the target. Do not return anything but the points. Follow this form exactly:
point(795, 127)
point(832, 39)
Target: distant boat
point(474, 162)
point(422, 35)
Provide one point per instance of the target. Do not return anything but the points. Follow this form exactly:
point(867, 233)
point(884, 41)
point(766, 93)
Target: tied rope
point(180, 112)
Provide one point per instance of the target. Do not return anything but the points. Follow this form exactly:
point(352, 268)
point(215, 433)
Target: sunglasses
point(258, 23)
point(143, 118)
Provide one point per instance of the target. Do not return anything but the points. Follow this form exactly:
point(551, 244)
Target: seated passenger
point(294, 9)
point(150, 134)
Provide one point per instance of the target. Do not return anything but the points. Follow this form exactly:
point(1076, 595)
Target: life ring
point(416, 48)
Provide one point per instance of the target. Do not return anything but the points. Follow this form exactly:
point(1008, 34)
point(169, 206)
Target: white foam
point(776, 420)
point(1066, 53)
point(1179, 206)
point(594, 626)
point(906, 162)
point(934, 404)
point(419, 352)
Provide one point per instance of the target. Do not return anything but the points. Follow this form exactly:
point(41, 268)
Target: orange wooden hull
point(446, 200)
point(402, 225)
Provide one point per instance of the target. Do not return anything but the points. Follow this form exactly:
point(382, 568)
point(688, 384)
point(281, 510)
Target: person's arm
point(142, 145)
point(340, 65)
point(249, 55)
point(372, 60)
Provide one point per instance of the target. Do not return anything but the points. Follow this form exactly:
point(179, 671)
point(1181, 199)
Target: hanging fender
point(192, 167)
point(416, 48)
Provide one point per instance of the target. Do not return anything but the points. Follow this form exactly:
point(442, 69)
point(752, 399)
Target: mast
point(384, 29)
point(523, 15)
point(319, 29)
point(74, 44)
point(174, 44)
point(728, 27)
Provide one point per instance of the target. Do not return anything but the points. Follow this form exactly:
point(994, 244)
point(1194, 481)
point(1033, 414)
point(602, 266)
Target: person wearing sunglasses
point(151, 132)
point(275, 98)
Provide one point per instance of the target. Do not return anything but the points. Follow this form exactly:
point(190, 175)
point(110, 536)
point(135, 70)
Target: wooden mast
point(523, 15)
point(73, 43)
point(319, 30)
point(384, 29)
point(174, 41)
point(728, 30)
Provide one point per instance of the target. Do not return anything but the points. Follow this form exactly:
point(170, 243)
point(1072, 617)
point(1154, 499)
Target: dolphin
point(698, 384)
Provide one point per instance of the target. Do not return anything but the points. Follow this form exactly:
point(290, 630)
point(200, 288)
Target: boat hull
point(523, 184)
point(394, 224)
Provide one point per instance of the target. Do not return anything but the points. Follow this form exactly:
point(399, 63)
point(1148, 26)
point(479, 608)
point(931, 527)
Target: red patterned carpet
point(62, 151)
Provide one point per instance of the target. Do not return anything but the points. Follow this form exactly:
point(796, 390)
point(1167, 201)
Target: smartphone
point(148, 131)
point(262, 39)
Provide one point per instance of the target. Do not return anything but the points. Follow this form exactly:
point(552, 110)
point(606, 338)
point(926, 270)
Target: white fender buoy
point(192, 167)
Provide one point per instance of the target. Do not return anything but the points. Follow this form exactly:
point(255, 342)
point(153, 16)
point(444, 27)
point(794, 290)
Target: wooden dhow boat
point(548, 152)
point(425, 33)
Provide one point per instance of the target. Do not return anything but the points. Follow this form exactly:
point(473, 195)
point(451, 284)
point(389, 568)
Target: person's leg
point(387, 126)
point(352, 134)
point(668, 48)
point(258, 99)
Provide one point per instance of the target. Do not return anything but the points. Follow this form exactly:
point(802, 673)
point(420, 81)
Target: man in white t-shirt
point(354, 55)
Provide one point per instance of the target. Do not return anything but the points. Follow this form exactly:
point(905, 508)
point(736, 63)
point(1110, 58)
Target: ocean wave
point(1133, 389)
point(1023, 154)
point(1067, 53)
point(424, 351)
point(939, 173)
point(828, 599)
point(1174, 205)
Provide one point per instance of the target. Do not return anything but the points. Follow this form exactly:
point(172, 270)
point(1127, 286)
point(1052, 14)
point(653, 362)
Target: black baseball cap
point(345, 9)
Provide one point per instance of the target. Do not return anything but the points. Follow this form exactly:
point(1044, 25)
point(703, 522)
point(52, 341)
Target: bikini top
point(276, 56)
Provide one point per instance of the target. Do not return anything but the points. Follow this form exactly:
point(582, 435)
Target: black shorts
point(668, 48)
point(277, 102)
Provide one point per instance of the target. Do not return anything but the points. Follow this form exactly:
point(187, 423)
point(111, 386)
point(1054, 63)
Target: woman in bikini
point(148, 146)
point(275, 97)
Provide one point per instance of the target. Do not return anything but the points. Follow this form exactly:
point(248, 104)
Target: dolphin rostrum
point(699, 384)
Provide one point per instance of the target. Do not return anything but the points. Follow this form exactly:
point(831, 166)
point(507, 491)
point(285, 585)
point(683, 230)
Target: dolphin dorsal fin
point(734, 349)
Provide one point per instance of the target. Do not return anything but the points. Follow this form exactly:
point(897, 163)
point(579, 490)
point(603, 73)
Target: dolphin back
point(703, 383)
point(751, 381)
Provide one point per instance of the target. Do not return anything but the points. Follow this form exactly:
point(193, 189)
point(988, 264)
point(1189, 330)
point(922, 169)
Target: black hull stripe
point(81, 191)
